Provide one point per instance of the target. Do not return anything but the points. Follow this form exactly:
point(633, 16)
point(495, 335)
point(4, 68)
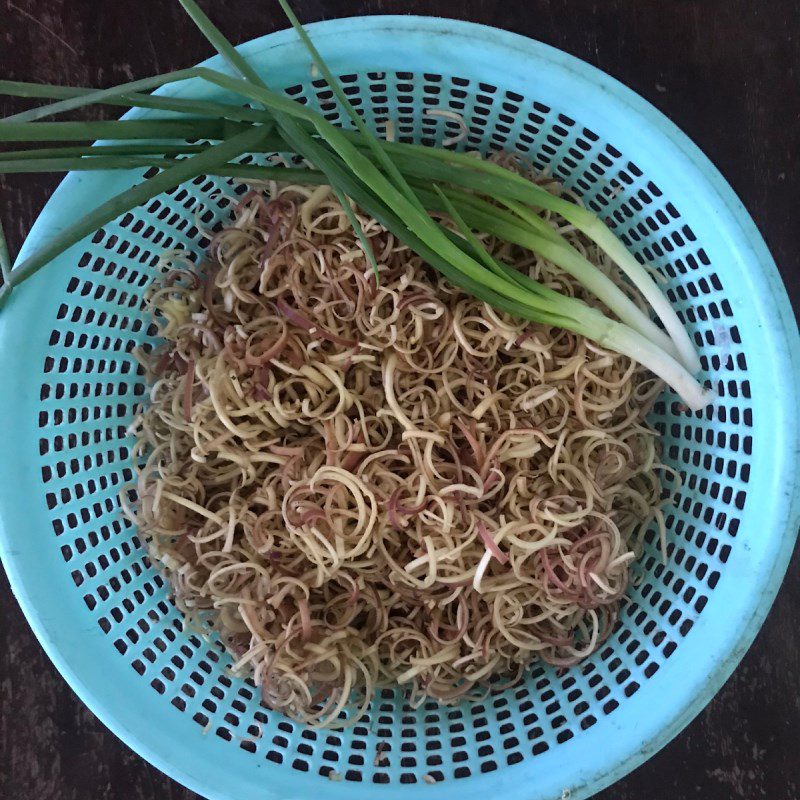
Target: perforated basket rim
point(608, 104)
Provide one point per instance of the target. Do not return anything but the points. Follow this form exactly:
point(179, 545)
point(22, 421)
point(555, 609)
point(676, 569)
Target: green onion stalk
point(404, 187)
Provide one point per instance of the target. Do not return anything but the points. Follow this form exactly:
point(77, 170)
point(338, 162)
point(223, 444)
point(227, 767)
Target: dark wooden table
point(726, 71)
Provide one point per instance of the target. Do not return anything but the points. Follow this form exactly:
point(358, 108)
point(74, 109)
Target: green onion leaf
point(368, 137)
point(235, 59)
point(100, 150)
point(180, 105)
point(120, 129)
point(476, 247)
point(96, 96)
point(446, 166)
point(483, 216)
point(389, 181)
point(183, 170)
point(81, 164)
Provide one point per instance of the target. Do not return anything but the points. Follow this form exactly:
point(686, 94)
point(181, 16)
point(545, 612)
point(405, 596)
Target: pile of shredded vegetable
point(360, 483)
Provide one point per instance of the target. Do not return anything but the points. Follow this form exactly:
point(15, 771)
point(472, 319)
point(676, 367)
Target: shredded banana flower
point(357, 484)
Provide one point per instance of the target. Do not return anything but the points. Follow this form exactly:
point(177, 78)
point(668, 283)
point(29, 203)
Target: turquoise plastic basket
point(70, 384)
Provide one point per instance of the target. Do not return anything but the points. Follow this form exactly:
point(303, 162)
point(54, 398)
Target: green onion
point(251, 172)
point(526, 214)
point(498, 182)
point(159, 102)
point(567, 313)
point(623, 336)
point(410, 210)
point(532, 219)
point(386, 216)
point(98, 96)
point(183, 170)
point(389, 181)
point(446, 166)
point(120, 129)
point(80, 164)
point(367, 135)
point(483, 216)
point(99, 150)
point(554, 309)
point(474, 243)
point(255, 173)
point(234, 58)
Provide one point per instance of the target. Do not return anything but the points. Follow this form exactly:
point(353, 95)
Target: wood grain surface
point(726, 71)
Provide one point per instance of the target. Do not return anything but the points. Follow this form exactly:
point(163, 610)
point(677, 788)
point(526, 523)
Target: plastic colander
point(70, 385)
